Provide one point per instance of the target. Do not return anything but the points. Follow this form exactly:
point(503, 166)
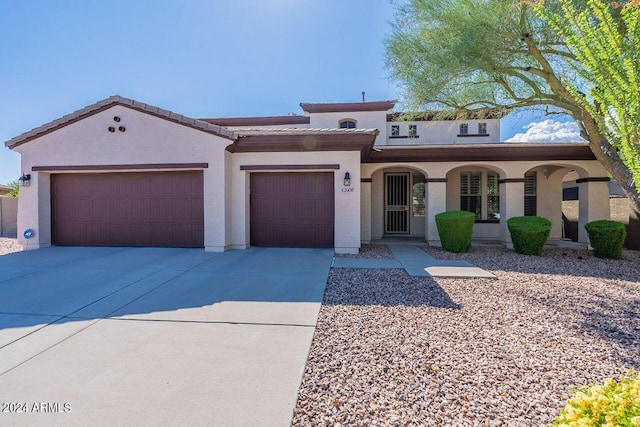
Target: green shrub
point(455, 229)
point(617, 403)
point(606, 237)
point(529, 233)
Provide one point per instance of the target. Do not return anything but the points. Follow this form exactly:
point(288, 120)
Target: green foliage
point(617, 403)
point(605, 40)
point(455, 229)
point(529, 233)
point(469, 57)
point(15, 188)
point(606, 237)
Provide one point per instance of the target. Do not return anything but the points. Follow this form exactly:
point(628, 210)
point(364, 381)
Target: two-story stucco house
point(123, 173)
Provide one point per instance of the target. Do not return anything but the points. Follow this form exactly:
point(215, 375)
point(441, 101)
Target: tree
point(15, 188)
point(575, 57)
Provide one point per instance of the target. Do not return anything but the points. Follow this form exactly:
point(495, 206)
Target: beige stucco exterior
point(168, 139)
point(146, 140)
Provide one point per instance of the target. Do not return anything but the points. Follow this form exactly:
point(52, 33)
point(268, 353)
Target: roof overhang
point(346, 107)
point(482, 152)
point(304, 140)
point(259, 121)
point(113, 101)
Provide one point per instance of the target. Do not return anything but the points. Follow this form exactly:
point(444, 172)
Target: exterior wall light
point(25, 180)
point(347, 179)
point(545, 172)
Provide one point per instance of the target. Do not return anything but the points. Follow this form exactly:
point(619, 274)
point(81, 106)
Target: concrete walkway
point(417, 263)
point(152, 336)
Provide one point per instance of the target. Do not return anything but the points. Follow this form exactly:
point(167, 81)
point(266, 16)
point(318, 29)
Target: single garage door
point(294, 210)
point(128, 209)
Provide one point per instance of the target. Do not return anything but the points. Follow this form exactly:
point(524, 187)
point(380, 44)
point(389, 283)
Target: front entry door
point(396, 203)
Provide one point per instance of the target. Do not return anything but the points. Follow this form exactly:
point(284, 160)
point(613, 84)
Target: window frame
point(493, 197)
point(531, 196)
point(418, 179)
point(346, 121)
point(413, 131)
point(466, 199)
point(395, 130)
point(482, 128)
point(464, 128)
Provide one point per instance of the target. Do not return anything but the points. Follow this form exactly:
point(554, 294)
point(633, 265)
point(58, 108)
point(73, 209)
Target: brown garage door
point(128, 209)
point(294, 210)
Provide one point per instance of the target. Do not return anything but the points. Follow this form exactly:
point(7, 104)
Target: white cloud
point(548, 131)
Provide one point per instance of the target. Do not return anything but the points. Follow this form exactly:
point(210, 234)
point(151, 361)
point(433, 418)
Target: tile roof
point(306, 131)
point(344, 107)
point(259, 121)
point(125, 102)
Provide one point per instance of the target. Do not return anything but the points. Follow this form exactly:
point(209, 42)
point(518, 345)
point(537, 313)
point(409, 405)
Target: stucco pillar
point(511, 204)
point(436, 189)
point(34, 211)
point(365, 210)
point(594, 203)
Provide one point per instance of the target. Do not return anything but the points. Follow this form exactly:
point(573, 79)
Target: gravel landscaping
point(8, 246)
point(391, 349)
point(371, 251)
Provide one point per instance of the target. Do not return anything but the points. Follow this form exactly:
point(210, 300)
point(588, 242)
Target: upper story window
point(347, 124)
point(395, 130)
point(464, 129)
point(482, 129)
point(413, 130)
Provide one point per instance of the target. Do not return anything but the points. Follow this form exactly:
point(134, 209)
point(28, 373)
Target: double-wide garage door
point(128, 209)
point(293, 210)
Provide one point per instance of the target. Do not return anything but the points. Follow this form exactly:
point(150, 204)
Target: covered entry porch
point(401, 199)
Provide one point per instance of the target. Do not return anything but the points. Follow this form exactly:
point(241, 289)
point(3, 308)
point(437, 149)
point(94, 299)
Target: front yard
point(390, 349)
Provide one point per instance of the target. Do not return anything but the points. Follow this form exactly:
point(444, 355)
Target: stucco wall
point(444, 132)
point(347, 203)
point(549, 194)
point(364, 120)
point(8, 216)
point(147, 140)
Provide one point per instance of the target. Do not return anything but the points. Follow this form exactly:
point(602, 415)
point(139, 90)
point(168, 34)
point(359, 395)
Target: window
point(347, 124)
point(417, 191)
point(470, 193)
point(413, 130)
point(493, 196)
point(464, 129)
point(482, 128)
point(530, 196)
point(395, 130)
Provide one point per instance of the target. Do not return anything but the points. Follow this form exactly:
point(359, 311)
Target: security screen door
point(396, 203)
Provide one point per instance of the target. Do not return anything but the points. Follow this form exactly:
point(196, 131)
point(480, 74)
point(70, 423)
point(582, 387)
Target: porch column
point(365, 210)
point(436, 189)
point(511, 204)
point(593, 194)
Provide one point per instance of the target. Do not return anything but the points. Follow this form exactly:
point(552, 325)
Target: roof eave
point(113, 101)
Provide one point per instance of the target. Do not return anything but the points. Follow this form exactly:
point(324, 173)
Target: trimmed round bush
point(529, 233)
point(616, 403)
point(606, 238)
point(455, 229)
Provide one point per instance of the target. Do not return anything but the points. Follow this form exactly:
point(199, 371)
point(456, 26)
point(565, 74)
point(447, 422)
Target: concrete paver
point(417, 263)
point(143, 336)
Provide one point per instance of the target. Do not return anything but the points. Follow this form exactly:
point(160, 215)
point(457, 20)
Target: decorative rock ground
point(394, 350)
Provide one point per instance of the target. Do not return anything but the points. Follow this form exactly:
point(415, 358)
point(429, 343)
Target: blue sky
point(198, 58)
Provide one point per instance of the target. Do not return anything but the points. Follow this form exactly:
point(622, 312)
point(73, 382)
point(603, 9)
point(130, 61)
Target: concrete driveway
point(150, 336)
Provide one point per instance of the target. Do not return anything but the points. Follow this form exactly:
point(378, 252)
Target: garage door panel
point(290, 209)
point(128, 209)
